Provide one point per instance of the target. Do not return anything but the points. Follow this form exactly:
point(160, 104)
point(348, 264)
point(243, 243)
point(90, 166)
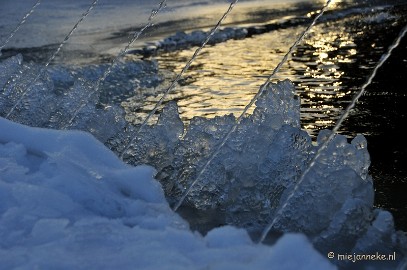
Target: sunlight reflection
point(225, 77)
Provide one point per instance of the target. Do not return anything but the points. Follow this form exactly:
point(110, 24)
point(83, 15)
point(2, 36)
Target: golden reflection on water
point(225, 77)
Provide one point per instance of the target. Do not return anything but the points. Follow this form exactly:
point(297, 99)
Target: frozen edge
point(91, 238)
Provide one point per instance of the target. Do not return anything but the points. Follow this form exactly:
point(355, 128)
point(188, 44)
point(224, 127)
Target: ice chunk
point(154, 145)
point(76, 106)
point(278, 103)
point(380, 236)
point(257, 169)
point(182, 40)
point(10, 71)
point(79, 108)
point(74, 103)
point(246, 183)
point(27, 100)
point(258, 166)
point(241, 163)
point(77, 206)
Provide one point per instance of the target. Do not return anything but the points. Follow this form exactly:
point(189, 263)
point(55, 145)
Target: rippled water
point(226, 76)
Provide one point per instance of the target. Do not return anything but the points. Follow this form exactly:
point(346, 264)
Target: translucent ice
point(258, 167)
point(28, 107)
point(10, 69)
point(244, 185)
point(182, 40)
point(63, 98)
point(67, 202)
point(154, 144)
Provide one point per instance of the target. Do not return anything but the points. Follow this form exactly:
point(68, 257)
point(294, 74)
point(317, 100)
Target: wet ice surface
point(258, 167)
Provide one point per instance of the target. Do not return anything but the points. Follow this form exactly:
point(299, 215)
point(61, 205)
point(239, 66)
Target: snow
point(68, 202)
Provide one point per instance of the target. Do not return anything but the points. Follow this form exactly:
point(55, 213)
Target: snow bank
point(68, 202)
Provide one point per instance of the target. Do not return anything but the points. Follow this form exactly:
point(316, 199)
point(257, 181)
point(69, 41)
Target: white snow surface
point(67, 202)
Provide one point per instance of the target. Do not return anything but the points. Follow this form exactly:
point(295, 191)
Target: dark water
point(382, 115)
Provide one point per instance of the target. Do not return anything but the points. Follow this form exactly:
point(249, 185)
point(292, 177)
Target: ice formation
point(244, 185)
point(61, 98)
point(67, 202)
point(258, 167)
point(182, 40)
